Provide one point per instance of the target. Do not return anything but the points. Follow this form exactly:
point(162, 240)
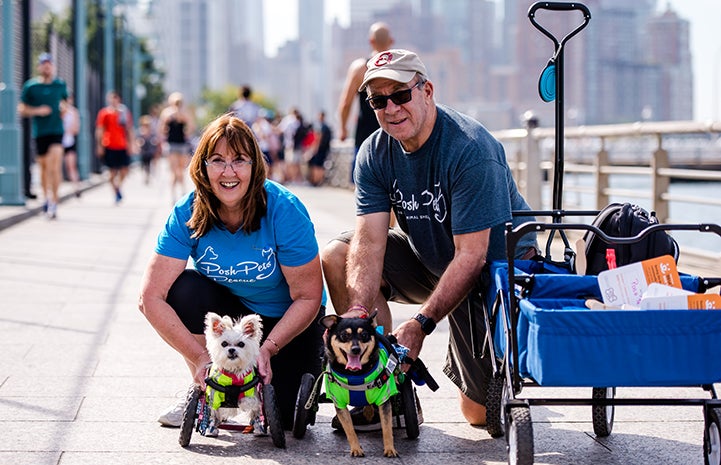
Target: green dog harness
point(373, 388)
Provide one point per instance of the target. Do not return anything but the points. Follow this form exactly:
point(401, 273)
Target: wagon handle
point(551, 83)
point(559, 6)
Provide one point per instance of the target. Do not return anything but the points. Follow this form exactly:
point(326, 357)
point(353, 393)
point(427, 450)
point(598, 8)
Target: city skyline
point(705, 41)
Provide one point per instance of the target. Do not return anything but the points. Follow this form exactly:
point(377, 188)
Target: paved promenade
point(83, 376)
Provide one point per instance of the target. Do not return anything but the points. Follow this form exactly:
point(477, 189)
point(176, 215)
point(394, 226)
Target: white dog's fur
point(233, 346)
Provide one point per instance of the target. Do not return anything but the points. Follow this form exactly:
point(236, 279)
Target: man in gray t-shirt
point(448, 183)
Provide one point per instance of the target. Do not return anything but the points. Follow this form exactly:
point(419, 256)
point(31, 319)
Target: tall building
point(668, 51)
point(485, 57)
point(182, 44)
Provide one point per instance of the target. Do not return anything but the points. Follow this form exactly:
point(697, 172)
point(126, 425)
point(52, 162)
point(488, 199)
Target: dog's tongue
point(354, 363)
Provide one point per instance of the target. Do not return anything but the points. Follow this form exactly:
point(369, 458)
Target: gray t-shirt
point(458, 182)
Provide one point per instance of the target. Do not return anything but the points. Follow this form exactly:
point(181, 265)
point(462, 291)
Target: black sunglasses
point(379, 102)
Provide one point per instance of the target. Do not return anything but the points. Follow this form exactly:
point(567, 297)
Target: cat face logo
point(383, 59)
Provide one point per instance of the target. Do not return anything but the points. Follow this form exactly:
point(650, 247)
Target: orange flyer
point(627, 284)
point(661, 270)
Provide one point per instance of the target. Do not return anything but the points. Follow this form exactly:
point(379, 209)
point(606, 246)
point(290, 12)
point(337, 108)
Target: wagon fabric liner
point(563, 343)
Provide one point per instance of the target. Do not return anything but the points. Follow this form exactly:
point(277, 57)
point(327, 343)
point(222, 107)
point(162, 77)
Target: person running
point(43, 99)
point(115, 139)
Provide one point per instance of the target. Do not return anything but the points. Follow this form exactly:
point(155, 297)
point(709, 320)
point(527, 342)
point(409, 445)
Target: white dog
point(233, 347)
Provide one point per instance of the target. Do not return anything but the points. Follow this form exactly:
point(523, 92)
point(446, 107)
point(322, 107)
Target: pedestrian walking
point(176, 126)
point(149, 146)
point(71, 129)
point(316, 164)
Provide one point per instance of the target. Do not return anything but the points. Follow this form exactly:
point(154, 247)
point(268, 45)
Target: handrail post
point(601, 178)
point(660, 183)
point(533, 172)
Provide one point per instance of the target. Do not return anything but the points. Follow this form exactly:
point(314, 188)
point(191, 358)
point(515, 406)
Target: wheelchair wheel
point(408, 399)
point(495, 414)
point(271, 412)
point(190, 414)
point(303, 417)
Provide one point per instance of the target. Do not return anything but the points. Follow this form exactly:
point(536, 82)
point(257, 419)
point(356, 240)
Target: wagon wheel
point(190, 414)
point(603, 414)
point(712, 438)
point(410, 413)
point(271, 412)
point(520, 436)
point(303, 416)
point(495, 398)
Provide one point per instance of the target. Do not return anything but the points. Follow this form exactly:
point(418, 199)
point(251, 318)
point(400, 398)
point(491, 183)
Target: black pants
point(193, 295)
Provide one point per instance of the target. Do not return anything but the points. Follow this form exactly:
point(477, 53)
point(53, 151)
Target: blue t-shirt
point(458, 182)
point(248, 264)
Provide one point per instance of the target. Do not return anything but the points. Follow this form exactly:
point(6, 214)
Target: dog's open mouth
point(353, 362)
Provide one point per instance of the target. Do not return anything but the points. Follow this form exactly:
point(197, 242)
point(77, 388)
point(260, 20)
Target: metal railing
point(651, 154)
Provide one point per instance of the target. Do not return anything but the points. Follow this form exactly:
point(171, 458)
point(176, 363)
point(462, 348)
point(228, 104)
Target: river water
point(680, 212)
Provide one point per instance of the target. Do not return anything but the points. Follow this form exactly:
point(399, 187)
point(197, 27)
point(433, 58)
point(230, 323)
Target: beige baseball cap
point(397, 64)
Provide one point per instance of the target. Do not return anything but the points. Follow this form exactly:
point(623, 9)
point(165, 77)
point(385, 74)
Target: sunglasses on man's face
point(379, 102)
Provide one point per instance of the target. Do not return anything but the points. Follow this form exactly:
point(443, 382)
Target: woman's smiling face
point(229, 183)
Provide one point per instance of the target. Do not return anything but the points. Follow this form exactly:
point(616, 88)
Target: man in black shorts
point(42, 99)
point(447, 181)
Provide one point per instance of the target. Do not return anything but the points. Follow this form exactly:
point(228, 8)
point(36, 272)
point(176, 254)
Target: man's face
point(405, 122)
point(45, 68)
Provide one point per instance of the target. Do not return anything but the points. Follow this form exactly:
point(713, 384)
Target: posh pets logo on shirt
point(247, 271)
point(421, 206)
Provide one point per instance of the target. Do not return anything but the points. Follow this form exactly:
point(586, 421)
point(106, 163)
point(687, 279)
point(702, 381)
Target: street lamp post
point(109, 46)
point(715, 90)
point(81, 88)
point(11, 182)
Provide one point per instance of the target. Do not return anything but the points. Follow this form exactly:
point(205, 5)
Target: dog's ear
point(328, 321)
point(214, 324)
point(252, 326)
point(373, 314)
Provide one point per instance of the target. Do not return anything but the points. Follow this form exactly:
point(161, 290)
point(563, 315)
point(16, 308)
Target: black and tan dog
point(359, 372)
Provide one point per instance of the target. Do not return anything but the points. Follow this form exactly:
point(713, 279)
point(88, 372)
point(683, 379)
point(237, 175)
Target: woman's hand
point(264, 369)
point(200, 370)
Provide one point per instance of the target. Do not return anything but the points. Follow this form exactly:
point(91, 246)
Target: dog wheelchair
point(310, 396)
point(197, 414)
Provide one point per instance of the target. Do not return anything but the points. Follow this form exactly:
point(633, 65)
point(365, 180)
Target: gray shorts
point(178, 147)
point(410, 282)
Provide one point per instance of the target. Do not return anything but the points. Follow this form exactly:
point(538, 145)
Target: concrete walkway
point(83, 376)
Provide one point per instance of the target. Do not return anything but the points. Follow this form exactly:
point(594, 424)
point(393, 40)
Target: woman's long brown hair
point(240, 139)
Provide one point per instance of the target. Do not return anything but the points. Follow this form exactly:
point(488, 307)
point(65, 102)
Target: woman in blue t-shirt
point(253, 250)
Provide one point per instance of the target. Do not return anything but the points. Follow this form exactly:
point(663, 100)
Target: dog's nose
point(231, 351)
point(355, 349)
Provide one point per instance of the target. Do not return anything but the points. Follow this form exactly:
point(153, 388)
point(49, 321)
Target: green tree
point(150, 76)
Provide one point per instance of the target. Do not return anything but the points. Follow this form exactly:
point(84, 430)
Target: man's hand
point(410, 335)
